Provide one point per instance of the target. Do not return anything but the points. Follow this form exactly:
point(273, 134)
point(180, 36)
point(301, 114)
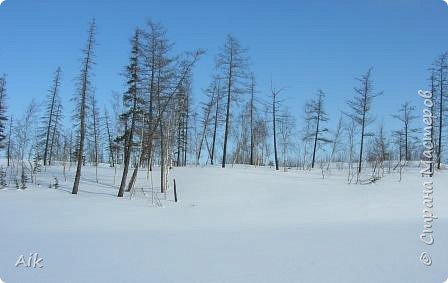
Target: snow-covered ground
point(230, 225)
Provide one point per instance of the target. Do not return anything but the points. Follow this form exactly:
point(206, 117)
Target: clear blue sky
point(303, 45)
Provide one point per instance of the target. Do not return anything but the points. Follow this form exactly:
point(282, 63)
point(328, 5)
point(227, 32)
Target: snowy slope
point(230, 225)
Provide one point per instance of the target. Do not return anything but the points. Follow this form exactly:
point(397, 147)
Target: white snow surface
point(240, 224)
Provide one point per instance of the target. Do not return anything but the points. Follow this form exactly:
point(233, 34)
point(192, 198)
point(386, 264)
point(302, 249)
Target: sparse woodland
point(156, 122)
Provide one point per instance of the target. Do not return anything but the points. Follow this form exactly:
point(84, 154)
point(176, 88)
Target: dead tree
point(48, 119)
point(186, 119)
point(216, 119)
point(182, 123)
point(306, 138)
point(23, 131)
point(233, 63)
point(317, 116)
point(286, 125)
point(335, 141)
point(252, 110)
point(361, 106)
point(84, 85)
point(379, 153)
point(406, 116)
point(351, 131)
point(95, 129)
point(207, 107)
point(55, 131)
point(110, 141)
point(275, 108)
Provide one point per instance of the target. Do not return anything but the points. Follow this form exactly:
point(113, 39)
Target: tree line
point(155, 120)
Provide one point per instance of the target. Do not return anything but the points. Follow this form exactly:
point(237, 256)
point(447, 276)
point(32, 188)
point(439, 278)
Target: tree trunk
point(362, 133)
point(215, 128)
point(316, 136)
point(275, 133)
point(186, 129)
point(111, 145)
point(8, 153)
point(439, 153)
point(229, 91)
point(252, 124)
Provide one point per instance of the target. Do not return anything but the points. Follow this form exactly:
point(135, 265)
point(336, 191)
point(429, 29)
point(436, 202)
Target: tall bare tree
point(216, 119)
point(55, 131)
point(232, 61)
point(252, 113)
point(95, 130)
point(275, 108)
point(207, 108)
point(52, 103)
point(81, 98)
point(110, 142)
point(361, 106)
point(286, 125)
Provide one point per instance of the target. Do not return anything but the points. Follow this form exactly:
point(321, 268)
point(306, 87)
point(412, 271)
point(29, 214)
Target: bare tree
point(260, 138)
point(351, 131)
point(286, 125)
point(361, 106)
point(275, 108)
point(96, 131)
point(233, 63)
point(216, 119)
point(24, 138)
point(84, 85)
point(406, 116)
point(317, 116)
point(335, 141)
point(252, 110)
point(55, 131)
point(154, 52)
point(379, 153)
point(182, 105)
point(207, 107)
point(52, 103)
point(110, 141)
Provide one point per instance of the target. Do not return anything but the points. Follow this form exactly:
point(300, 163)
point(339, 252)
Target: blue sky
point(302, 45)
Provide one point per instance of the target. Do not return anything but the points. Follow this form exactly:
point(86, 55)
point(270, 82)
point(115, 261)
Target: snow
point(238, 224)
